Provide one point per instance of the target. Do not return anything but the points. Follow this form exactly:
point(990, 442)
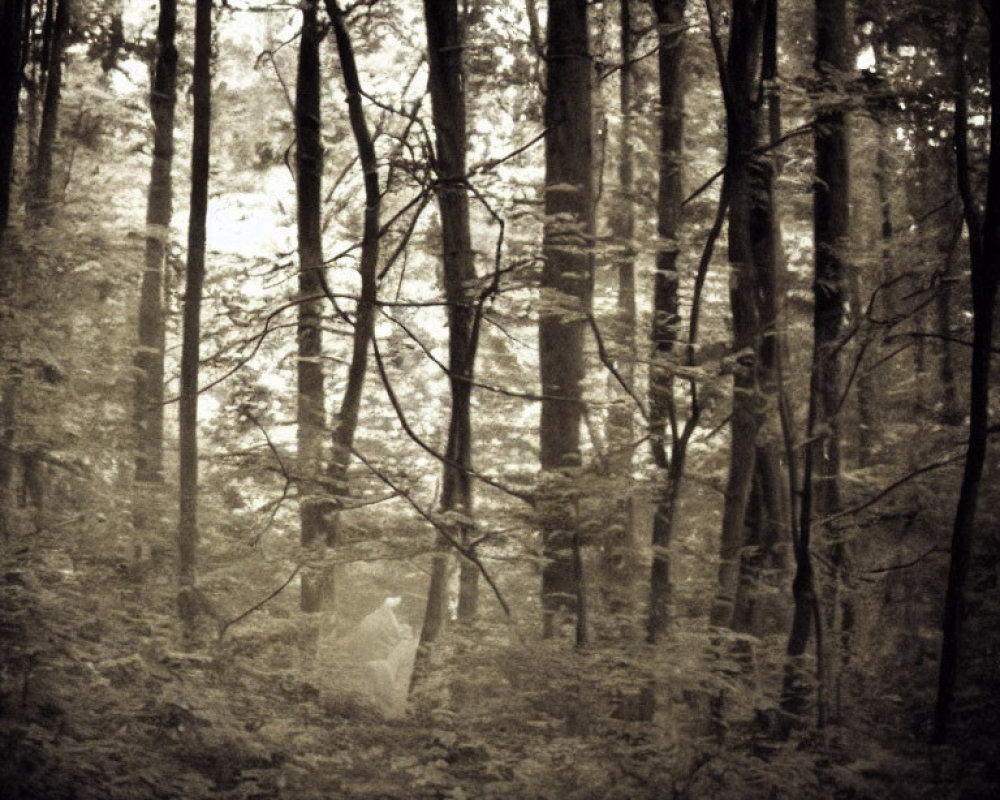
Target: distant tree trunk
point(188, 440)
point(666, 317)
point(11, 27)
point(746, 29)
point(54, 47)
point(867, 395)
point(148, 361)
point(311, 417)
point(566, 291)
point(951, 411)
point(618, 557)
point(346, 422)
point(831, 233)
point(984, 259)
point(767, 528)
point(445, 43)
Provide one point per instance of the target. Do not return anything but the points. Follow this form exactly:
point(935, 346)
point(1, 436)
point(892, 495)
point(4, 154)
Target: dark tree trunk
point(188, 440)
point(666, 317)
point(566, 289)
point(984, 259)
point(831, 232)
point(832, 239)
point(346, 422)
point(742, 70)
point(311, 416)
point(54, 46)
point(11, 26)
point(445, 43)
point(766, 530)
point(148, 362)
point(831, 225)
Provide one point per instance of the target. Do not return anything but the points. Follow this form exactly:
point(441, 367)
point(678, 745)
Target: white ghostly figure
point(383, 648)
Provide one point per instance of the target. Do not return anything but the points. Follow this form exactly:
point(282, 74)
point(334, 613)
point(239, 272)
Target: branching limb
point(442, 530)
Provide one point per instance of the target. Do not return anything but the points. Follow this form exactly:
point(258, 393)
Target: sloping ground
point(99, 702)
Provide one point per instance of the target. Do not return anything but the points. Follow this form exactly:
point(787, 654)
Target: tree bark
point(767, 529)
point(984, 259)
point(188, 441)
point(148, 361)
point(54, 46)
point(566, 291)
point(311, 410)
point(666, 316)
point(831, 233)
point(745, 39)
point(445, 44)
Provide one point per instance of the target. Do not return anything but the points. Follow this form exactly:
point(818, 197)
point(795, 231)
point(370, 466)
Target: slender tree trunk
point(566, 290)
point(38, 205)
point(746, 30)
point(951, 411)
point(831, 234)
point(445, 43)
point(666, 316)
point(346, 422)
point(11, 25)
point(867, 395)
point(984, 259)
point(200, 152)
point(767, 530)
point(148, 360)
point(311, 416)
point(618, 557)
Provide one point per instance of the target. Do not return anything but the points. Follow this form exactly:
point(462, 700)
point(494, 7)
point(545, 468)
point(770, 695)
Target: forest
point(547, 400)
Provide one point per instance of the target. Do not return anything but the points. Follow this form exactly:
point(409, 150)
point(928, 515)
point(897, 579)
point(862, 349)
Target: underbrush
point(101, 700)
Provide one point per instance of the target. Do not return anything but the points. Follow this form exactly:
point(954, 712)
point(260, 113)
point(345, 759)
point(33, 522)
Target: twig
point(224, 626)
point(609, 365)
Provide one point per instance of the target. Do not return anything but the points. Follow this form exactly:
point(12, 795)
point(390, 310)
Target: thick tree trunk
point(984, 259)
point(666, 317)
point(745, 38)
point(54, 46)
point(311, 412)
point(148, 361)
point(188, 439)
point(566, 290)
point(11, 26)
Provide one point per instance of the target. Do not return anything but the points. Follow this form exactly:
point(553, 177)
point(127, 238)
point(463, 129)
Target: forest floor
point(99, 701)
